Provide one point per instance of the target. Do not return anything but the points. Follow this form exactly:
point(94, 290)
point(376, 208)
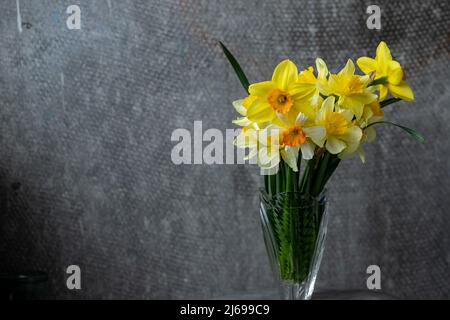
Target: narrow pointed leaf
point(411, 132)
point(237, 68)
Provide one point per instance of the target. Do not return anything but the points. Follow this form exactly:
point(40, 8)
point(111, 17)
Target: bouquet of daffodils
point(315, 118)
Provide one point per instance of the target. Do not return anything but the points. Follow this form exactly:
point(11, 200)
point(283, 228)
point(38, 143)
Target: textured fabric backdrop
point(86, 117)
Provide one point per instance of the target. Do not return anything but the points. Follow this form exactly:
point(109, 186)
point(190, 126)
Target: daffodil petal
point(301, 119)
point(383, 53)
point(328, 105)
point(268, 158)
point(394, 65)
point(344, 155)
point(282, 123)
point(301, 90)
point(383, 92)
point(365, 80)
point(290, 156)
point(349, 69)
point(304, 107)
point(307, 149)
point(362, 154)
point(402, 91)
point(334, 145)
point(243, 122)
point(328, 87)
point(352, 138)
point(347, 114)
point(261, 89)
point(317, 134)
point(322, 69)
point(260, 111)
point(316, 100)
point(395, 75)
point(239, 107)
point(356, 102)
point(283, 119)
point(367, 64)
point(370, 134)
point(286, 72)
point(307, 76)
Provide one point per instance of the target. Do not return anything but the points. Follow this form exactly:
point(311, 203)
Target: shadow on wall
point(20, 277)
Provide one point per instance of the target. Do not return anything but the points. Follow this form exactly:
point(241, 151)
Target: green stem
point(323, 165)
point(280, 178)
point(273, 184)
point(382, 80)
point(306, 176)
point(297, 174)
point(388, 102)
point(289, 174)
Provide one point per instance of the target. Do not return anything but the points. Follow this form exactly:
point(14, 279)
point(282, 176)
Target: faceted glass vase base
point(294, 291)
point(294, 228)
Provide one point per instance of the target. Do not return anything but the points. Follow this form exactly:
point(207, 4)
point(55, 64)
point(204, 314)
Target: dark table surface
point(318, 295)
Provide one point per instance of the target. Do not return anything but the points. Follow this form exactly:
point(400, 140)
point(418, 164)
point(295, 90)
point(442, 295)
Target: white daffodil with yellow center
point(241, 106)
point(248, 136)
point(352, 90)
point(340, 132)
point(248, 139)
point(298, 135)
point(372, 113)
point(383, 66)
point(282, 95)
point(319, 84)
point(268, 148)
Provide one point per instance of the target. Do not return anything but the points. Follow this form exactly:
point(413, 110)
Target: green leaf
point(237, 68)
point(412, 132)
point(334, 162)
point(388, 102)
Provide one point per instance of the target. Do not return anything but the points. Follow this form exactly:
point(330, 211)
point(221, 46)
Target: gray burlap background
point(86, 176)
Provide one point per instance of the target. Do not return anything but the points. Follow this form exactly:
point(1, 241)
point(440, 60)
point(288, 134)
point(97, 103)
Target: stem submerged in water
point(295, 211)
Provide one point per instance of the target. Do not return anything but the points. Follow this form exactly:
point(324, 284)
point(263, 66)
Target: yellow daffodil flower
point(319, 84)
point(383, 66)
point(282, 95)
point(351, 89)
point(341, 133)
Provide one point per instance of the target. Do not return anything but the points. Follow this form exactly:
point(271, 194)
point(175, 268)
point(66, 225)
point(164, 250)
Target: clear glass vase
point(294, 228)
